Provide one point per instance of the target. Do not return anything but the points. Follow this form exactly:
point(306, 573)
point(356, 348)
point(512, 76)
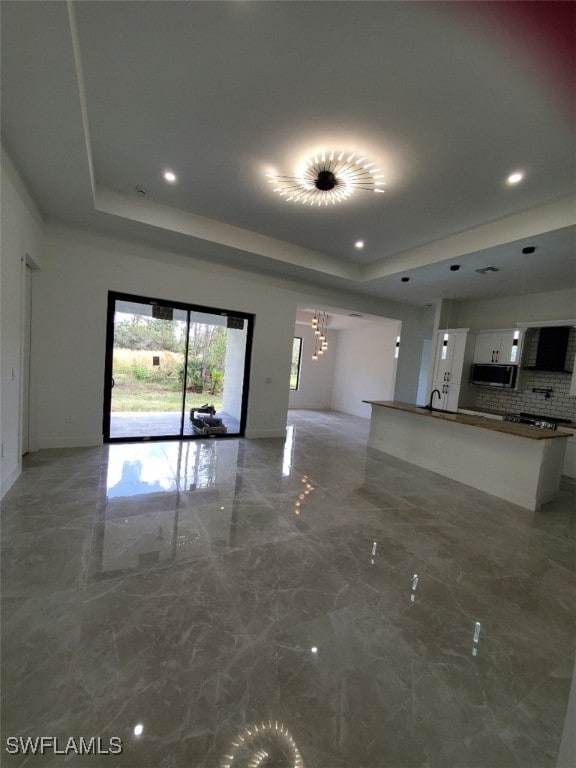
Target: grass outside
point(126, 360)
point(150, 397)
point(140, 386)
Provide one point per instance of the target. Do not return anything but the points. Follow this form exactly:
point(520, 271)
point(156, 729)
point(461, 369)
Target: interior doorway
point(174, 370)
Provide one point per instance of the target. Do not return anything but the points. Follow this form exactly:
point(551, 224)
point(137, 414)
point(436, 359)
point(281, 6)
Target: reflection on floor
point(124, 424)
point(307, 602)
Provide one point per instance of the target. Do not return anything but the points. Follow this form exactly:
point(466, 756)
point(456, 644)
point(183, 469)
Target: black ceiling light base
point(325, 181)
point(328, 177)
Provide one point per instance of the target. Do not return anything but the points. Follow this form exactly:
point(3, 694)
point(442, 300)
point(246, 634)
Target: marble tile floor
point(279, 604)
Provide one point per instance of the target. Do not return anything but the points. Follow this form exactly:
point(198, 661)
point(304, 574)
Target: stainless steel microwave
point(494, 375)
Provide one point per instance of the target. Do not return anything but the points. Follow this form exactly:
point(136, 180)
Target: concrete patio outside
point(129, 424)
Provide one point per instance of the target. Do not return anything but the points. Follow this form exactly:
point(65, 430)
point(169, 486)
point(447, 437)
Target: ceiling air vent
point(485, 270)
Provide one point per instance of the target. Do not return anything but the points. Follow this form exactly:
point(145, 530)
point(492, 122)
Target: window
point(296, 358)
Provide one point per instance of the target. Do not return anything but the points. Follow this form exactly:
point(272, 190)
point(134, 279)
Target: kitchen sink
point(435, 410)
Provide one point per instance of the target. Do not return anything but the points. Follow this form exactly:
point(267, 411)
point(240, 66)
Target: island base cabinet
point(569, 467)
point(524, 471)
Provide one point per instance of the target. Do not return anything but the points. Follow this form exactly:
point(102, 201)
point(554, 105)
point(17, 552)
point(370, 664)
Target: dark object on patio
point(204, 422)
point(209, 409)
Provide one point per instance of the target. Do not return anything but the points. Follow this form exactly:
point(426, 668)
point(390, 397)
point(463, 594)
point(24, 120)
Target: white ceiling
point(98, 98)
point(343, 320)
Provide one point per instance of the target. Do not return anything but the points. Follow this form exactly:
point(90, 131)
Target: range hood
point(551, 350)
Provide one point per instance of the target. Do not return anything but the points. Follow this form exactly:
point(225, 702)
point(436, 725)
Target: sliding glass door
point(174, 370)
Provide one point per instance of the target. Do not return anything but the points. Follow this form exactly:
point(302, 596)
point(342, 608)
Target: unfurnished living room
point(288, 385)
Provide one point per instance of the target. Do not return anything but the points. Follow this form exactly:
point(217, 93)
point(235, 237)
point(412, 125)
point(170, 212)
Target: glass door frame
point(113, 297)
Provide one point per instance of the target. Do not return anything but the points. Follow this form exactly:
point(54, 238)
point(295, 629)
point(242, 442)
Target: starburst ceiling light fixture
point(328, 178)
point(263, 744)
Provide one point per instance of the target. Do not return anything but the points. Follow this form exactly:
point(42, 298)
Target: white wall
point(415, 330)
point(78, 271)
point(72, 292)
point(316, 376)
point(21, 237)
point(234, 371)
point(360, 365)
point(69, 323)
point(365, 367)
point(506, 312)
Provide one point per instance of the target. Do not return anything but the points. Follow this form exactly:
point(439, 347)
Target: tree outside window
point(296, 359)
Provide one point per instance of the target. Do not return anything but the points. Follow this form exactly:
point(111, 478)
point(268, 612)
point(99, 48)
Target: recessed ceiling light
point(515, 177)
point(170, 177)
point(359, 244)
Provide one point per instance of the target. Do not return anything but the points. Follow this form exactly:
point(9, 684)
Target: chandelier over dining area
point(319, 324)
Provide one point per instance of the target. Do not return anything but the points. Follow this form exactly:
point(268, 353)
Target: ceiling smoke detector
point(485, 270)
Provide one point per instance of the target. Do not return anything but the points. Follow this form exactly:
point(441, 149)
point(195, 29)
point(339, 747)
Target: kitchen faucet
point(429, 406)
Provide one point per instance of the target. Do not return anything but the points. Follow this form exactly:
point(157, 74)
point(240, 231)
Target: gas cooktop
point(536, 420)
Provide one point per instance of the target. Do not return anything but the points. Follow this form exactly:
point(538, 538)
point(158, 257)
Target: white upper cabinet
point(486, 347)
point(503, 347)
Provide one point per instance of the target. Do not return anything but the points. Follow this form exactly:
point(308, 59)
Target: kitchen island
point(519, 463)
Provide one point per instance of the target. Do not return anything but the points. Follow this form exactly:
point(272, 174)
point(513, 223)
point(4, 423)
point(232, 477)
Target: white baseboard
point(260, 433)
point(319, 407)
point(365, 416)
point(9, 481)
point(85, 441)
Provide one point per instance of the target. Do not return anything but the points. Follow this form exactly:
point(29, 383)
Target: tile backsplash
point(559, 404)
